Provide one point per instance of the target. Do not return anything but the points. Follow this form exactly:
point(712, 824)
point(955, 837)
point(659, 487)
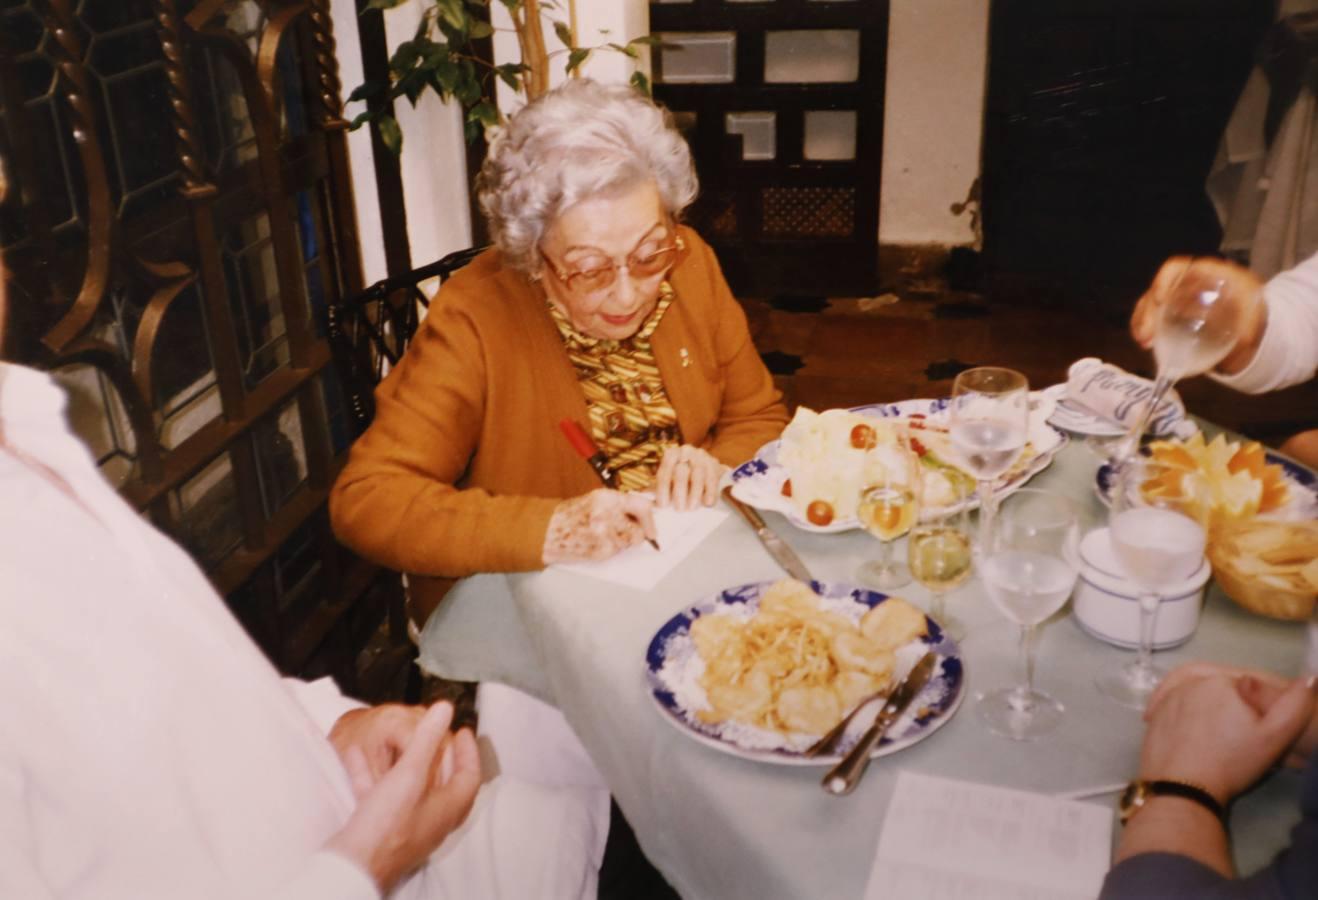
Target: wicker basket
point(1270, 568)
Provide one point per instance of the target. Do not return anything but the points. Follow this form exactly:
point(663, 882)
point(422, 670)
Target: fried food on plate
point(794, 666)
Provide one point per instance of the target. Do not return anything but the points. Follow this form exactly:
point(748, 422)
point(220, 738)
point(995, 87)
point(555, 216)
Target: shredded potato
point(794, 667)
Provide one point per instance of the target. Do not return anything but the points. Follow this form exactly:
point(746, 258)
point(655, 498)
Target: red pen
point(585, 447)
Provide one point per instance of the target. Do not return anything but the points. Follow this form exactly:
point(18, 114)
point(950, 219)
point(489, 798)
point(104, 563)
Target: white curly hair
point(583, 139)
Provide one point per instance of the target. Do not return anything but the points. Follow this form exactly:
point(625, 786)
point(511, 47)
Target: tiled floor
point(913, 338)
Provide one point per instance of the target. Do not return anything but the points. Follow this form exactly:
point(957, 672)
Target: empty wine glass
point(1028, 568)
point(1195, 330)
point(889, 505)
point(1157, 531)
point(989, 415)
point(938, 551)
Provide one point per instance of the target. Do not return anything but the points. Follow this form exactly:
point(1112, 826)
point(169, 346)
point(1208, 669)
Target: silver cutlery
point(844, 777)
point(827, 741)
point(782, 554)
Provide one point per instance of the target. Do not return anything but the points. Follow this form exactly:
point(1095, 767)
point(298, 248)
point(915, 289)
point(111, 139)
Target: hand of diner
point(1201, 730)
point(598, 525)
point(382, 733)
point(687, 477)
point(402, 816)
point(1244, 294)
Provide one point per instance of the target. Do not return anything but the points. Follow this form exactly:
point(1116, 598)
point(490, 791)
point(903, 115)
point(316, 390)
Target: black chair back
point(369, 332)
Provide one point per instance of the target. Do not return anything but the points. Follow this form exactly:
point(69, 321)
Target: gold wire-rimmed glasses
point(601, 278)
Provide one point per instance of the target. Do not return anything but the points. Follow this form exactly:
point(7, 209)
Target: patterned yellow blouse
point(631, 419)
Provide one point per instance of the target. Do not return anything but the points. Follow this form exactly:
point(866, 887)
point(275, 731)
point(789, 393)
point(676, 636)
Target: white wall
point(434, 167)
point(933, 120)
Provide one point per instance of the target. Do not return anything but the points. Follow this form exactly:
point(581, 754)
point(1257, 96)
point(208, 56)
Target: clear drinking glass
point(1196, 329)
point(989, 416)
point(1158, 534)
point(889, 506)
point(939, 553)
point(1028, 568)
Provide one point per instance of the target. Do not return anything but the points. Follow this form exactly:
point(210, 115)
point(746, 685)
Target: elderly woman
point(594, 305)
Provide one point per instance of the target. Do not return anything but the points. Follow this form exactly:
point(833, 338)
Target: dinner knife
point(784, 555)
point(844, 777)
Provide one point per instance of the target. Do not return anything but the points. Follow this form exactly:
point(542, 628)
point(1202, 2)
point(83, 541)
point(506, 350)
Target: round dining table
point(723, 827)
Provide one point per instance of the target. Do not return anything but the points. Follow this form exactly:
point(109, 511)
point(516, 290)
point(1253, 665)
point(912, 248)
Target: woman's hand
point(1243, 294)
point(687, 476)
point(598, 525)
point(1202, 729)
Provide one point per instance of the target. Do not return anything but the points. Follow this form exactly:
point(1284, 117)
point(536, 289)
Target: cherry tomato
point(919, 448)
point(863, 437)
point(787, 488)
point(819, 512)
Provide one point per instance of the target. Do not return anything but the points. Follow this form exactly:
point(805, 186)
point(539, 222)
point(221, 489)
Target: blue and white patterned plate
point(1303, 484)
point(672, 666)
point(759, 481)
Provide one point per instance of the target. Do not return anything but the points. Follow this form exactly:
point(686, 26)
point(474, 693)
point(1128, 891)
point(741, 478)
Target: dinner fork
point(827, 741)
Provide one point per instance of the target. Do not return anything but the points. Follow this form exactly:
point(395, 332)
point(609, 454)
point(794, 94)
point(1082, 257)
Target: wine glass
point(938, 552)
point(1029, 568)
point(1195, 330)
point(1157, 531)
point(889, 505)
point(989, 415)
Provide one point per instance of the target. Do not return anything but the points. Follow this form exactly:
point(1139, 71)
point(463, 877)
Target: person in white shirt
point(148, 749)
point(1277, 323)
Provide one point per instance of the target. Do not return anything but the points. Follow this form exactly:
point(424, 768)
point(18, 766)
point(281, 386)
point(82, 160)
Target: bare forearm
point(1176, 825)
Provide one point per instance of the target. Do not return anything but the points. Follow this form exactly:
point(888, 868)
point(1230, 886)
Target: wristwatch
point(1138, 792)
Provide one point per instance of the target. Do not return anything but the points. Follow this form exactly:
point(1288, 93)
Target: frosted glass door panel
point(757, 133)
point(830, 135)
point(820, 56)
point(707, 57)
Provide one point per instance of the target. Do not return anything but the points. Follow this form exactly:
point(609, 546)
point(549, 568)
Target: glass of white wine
point(1029, 568)
point(889, 505)
point(990, 418)
point(1158, 534)
point(939, 554)
point(1195, 330)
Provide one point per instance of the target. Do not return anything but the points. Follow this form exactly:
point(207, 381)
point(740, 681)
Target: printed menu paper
point(640, 565)
point(955, 840)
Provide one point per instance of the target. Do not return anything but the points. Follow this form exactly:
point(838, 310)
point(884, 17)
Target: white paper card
point(640, 565)
point(944, 839)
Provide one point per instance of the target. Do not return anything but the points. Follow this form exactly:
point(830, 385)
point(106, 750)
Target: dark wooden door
point(782, 101)
point(1102, 121)
point(181, 219)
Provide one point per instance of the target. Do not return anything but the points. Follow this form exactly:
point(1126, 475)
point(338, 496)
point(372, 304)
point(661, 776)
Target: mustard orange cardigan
point(464, 463)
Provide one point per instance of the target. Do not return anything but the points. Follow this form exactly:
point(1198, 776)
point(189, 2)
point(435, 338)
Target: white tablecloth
point(720, 827)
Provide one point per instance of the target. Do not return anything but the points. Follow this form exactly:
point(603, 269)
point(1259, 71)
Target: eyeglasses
point(601, 278)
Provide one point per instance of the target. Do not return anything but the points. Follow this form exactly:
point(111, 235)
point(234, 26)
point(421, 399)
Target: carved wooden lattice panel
point(181, 220)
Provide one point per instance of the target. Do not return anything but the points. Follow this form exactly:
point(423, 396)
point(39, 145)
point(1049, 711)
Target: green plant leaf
point(466, 86)
point(652, 40)
point(365, 91)
point(513, 5)
point(640, 82)
point(511, 74)
point(383, 4)
point(472, 129)
point(479, 29)
point(627, 49)
point(576, 58)
point(564, 33)
point(391, 134)
point(484, 112)
point(359, 121)
point(453, 13)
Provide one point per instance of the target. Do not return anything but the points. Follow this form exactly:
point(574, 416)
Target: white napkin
point(640, 566)
point(1112, 393)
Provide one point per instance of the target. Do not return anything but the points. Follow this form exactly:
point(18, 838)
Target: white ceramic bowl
point(1106, 603)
